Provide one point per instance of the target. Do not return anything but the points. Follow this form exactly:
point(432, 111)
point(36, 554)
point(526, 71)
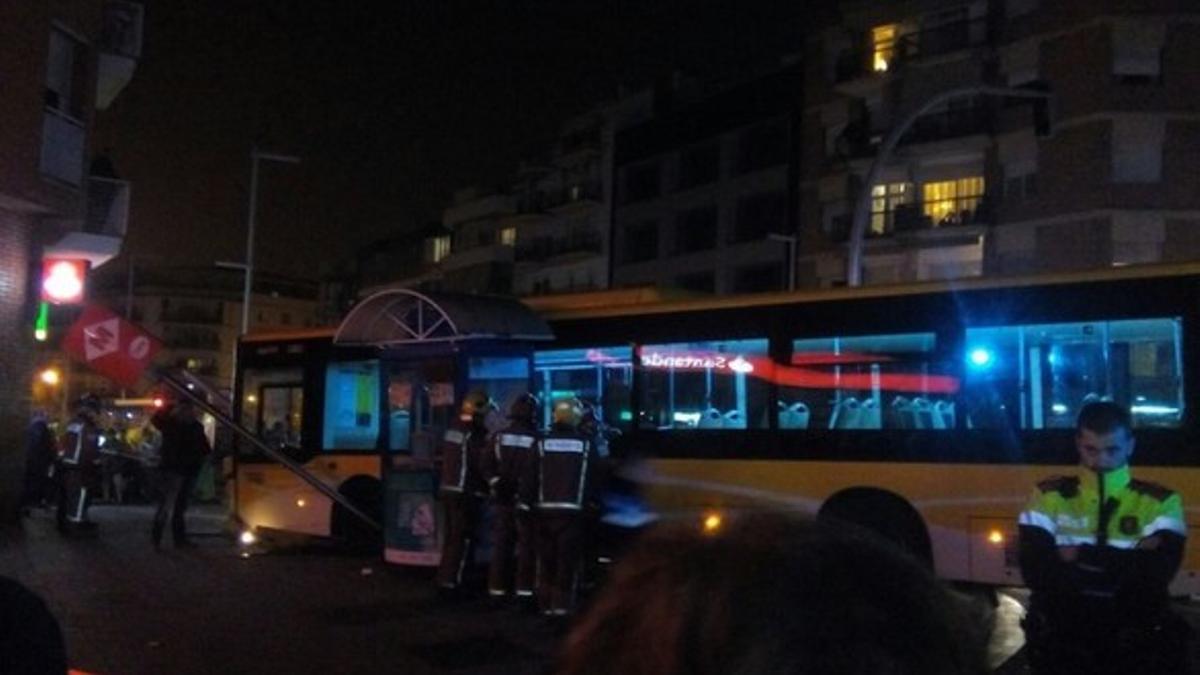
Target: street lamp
point(251, 216)
point(862, 205)
point(790, 240)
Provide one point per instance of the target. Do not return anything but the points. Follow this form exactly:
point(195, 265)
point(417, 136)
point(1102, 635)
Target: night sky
point(392, 106)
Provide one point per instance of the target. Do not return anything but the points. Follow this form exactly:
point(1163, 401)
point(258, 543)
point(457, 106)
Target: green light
point(41, 325)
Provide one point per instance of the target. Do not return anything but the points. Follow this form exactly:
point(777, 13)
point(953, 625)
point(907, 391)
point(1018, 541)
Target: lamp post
point(862, 205)
point(248, 266)
point(790, 240)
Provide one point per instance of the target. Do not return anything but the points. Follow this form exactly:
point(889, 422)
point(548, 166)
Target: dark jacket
point(184, 445)
point(463, 449)
point(507, 464)
point(565, 463)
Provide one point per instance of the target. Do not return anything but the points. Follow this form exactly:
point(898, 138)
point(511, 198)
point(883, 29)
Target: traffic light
point(63, 280)
point(41, 324)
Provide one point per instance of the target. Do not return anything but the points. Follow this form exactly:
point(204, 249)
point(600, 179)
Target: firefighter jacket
point(463, 448)
point(80, 443)
point(1127, 538)
point(507, 465)
point(564, 465)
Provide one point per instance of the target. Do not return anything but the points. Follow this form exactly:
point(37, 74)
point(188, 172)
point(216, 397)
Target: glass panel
point(599, 376)
point(883, 43)
point(273, 404)
point(1038, 376)
point(952, 202)
point(503, 378)
point(867, 382)
point(705, 385)
point(351, 405)
point(421, 406)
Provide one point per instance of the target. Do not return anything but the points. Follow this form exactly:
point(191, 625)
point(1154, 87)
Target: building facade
point(707, 188)
point(988, 182)
point(64, 61)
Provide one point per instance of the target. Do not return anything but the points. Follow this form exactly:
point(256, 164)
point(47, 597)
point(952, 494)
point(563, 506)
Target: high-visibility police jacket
point(564, 467)
point(1106, 517)
point(462, 449)
point(507, 465)
point(80, 443)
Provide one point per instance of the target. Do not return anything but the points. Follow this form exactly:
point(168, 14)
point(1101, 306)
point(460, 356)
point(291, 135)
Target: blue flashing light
point(981, 357)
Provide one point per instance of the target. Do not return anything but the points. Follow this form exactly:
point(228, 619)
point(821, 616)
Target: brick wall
point(15, 361)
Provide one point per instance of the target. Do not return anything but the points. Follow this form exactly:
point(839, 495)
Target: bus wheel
point(884, 513)
point(366, 493)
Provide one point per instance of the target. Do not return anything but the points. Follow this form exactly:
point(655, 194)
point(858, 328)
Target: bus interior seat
point(945, 411)
point(845, 414)
point(710, 419)
point(869, 415)
point(922, 413)
point(900, 413)
point(794, 416)
point(734, 420)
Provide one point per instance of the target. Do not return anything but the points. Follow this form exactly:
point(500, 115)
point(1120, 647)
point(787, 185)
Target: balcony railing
point(944, 39)
point(62, 147)
point(588, 192)
point(857, 141)
point(544, 248)
point(858, 62)
point(912, 218)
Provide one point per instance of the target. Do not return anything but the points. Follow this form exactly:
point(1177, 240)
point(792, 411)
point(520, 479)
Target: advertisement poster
point(412, 531)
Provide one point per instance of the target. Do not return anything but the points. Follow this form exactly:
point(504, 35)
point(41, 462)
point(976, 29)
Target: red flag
point(110, 345)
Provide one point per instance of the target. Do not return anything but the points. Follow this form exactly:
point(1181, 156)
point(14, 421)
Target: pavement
point(128, 609)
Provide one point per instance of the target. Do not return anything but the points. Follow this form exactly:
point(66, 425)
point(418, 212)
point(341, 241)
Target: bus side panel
point(272, 497)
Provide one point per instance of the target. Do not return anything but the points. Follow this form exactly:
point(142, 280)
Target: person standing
point(1098, 550)
point(564, 465)
point(506, 467)
point(463, 488)
point(184, 449)
point(40, 451)
point(79, 457)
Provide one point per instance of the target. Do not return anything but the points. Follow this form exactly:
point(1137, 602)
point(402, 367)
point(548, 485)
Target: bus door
point(421, 400)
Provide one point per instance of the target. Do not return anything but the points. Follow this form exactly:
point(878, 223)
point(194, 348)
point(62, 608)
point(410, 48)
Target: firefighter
point(79, 458)
point(463, 488)
point(1098, 550)
point(513, 453)
point(565, 461)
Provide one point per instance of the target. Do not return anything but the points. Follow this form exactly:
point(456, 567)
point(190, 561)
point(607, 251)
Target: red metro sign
point(110, 345)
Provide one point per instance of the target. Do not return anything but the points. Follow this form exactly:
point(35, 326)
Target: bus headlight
point(996, 537)
point(712, 522)
point(247, 537)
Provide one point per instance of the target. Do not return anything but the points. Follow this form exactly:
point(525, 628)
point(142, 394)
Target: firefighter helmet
point(476, 406)
point(568, 412)
point(524, 407)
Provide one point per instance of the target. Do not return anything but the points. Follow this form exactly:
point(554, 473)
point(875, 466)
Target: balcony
point(120, 47)
point(480, 255)
point(858, 141)
point(941, 40)
point(579, 195)
point(197, 314)
point(98, 235)
point(544, 248)
point(63, 139)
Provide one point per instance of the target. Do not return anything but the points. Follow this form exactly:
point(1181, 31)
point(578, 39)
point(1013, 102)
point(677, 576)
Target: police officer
point(79, 459)
point(513, 453)
point(1098, 550)
point(565, 462)
point(463, 488)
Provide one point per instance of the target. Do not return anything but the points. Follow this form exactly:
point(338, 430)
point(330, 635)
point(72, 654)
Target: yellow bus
point(927, 411)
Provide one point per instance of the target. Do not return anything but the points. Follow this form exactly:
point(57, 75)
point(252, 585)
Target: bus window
point(599, 376)
point(273, 404)
point(502, 377)
point(1039, 376)
point(351, 405)
point(889, 381)
point(719, 384)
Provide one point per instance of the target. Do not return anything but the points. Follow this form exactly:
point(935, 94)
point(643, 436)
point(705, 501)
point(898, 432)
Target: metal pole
point(249, 278)
point(792, 263)
point(862, 204)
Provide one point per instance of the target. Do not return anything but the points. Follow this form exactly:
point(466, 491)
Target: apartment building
point(706, 195)
point(978, 183)
point(64, 60)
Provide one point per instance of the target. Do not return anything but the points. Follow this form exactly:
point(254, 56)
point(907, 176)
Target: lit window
point(883, 47)
point(508, 236)
point(884, 200)
point(952, 202)
point(439, 248)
